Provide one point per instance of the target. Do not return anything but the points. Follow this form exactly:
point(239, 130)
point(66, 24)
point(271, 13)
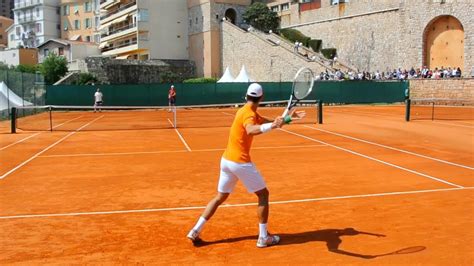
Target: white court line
point(176, 151)
point(391, 148)
point(374, 159)
point(20, 141)
point(47, 215)
point(36, 134)
point(180, 136)
point(47, 148)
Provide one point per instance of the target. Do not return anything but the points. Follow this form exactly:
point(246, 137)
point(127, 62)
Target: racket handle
point(285, 112)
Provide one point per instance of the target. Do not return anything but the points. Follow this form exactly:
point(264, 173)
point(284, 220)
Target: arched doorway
point(444, 43)
point(231, 15)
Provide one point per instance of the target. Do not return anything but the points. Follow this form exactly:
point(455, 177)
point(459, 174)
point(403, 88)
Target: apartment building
point(35, 21)
point(80, 20)
point(144, 29)
point(6, 7)
point(5, 23)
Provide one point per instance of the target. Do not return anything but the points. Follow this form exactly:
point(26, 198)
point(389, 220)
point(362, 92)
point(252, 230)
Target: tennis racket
point(302, 87)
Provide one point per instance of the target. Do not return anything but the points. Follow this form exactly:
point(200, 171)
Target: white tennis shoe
point(270, 240)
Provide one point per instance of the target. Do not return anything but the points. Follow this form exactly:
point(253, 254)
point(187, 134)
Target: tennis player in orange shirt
point(237, 165)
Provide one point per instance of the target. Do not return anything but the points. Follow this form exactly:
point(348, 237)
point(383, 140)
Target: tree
point(259, 16)
point(53, 68)
point(27, 68)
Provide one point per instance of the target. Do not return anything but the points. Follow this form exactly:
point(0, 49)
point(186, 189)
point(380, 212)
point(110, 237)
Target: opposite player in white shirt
point(98, 100)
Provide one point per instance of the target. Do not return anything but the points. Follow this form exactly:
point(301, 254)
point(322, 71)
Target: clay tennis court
point(354, 190)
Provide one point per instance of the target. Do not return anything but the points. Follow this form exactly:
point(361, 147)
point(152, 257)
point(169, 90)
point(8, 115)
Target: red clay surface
point(131, 196)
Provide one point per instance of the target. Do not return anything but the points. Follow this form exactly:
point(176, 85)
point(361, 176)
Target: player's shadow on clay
point(332, 237)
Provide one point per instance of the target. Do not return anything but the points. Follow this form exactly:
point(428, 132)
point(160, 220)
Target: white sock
point(199, 225)
point(263, 230)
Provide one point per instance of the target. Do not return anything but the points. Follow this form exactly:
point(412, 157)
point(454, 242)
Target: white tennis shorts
point(231, 172)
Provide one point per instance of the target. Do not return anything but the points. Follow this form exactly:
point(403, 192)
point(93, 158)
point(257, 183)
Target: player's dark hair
point(253, 99)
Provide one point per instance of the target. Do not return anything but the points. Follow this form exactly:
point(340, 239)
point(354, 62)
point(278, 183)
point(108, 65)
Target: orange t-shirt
point(238, 147)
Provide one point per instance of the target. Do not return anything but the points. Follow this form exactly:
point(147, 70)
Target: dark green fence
point(219, 93)
point(28, 88)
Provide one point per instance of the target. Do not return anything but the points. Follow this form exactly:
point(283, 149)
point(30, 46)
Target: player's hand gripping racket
point(302, 87)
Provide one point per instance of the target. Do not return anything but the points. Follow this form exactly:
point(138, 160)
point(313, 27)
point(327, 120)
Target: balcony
point(26, 20)
point(27, 4)
point(118, 10)
point(120, 49)
point(120, 32)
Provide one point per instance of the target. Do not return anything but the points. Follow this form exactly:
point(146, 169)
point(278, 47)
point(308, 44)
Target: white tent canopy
point(227, 77)
point(243, 76)
point(9, 99)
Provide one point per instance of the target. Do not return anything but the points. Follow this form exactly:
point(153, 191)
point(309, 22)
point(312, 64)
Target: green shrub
point(28, 68)
point(170, 77)
point(85, 79)
point(315, 45)
point(329, 53)
point(295, 36)
point(201, 80)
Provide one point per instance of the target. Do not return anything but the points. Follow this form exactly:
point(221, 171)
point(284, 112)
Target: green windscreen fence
point(221, 93)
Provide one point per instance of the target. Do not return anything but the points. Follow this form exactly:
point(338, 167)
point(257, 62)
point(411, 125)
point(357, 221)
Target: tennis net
point(85, 118)
point(439, 109)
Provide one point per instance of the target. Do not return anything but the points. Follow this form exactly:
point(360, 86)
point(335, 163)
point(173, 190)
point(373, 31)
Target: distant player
point(98, 100)
point(171, 98)
point(237, 165)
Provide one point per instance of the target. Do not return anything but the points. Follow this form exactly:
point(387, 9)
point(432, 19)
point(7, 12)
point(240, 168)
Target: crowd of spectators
point(396, 74)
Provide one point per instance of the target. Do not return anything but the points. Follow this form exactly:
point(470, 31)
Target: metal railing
point(26, 4)
point(118, 10)
point(130, 26)
point(119, 46)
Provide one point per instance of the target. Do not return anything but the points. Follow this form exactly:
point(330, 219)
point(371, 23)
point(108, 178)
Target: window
point(88, 23)
point(97, 38)
point(46, 52)
point(37, 12)
point(61, 51)
point(143, 15)
point(12, 37)
point(38, 28)
point(97, 22)
point(76, 8)
point(275, 9)
point(65, 10)
point(285, 7)
point(1, 37)
point(88, 38)
point(66, 25)
point(18, 31)
point(77, 24)
point(88, 6)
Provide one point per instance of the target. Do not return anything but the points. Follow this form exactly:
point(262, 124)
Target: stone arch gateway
point(443, 43)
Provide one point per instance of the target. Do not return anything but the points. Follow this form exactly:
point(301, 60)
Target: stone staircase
point(312, 56)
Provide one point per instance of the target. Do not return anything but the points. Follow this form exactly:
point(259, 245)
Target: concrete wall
point(461, 89)
point(168, 29)
point(380, 34)
point(16, 57)
point(263, 61)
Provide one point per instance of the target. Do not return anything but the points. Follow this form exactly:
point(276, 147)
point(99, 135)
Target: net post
point(50, 119)
point(13, 120)
point(407, 110)
point(320, 111)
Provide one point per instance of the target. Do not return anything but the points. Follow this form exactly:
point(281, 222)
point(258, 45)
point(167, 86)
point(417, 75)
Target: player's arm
point(253, 129)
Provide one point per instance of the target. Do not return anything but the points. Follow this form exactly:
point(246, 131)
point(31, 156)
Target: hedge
point(315, 45)
point(201, 80)
point(295, 36)
point(329, 53)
